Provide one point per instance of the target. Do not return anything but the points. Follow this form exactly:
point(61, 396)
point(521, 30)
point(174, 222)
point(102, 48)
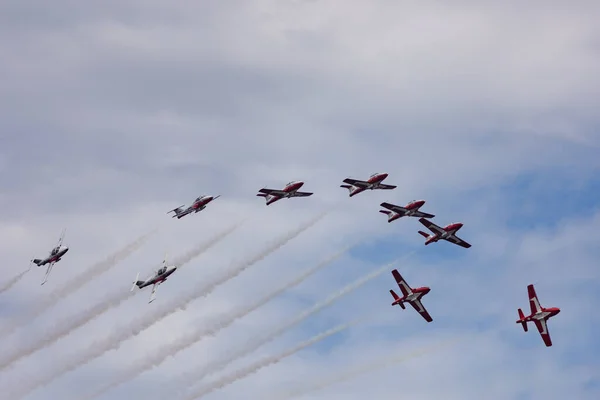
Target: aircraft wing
point(302, 194)
point(417, 305)
point(542, 327)
point(423, 214)
point(394, 208)
point(356, 182)
point(48, 270)
point(431, 226)
point(386, 187)
point(62, 237)
point(401, 283)
point(534, 303)
point(272, 192)
point(458, 241)
point(153, 293)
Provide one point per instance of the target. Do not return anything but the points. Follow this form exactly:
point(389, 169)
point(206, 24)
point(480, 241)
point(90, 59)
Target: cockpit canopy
point(162, 270)
point(374, 175)
point(290, 183)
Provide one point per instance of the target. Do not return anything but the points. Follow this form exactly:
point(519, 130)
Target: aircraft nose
point(383, 176)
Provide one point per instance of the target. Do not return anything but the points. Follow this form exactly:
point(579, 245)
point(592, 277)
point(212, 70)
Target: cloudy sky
point(114, 112)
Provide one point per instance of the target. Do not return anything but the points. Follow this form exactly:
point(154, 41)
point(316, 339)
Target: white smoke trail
point(195, 252)
point(63, 328)
point(8, 284)
point(264, 362)
point(365, 369)
point(194, 375)
point(193, 337)
point(76, 282)
point(96, 349)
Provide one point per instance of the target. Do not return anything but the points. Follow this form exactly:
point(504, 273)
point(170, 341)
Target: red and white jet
point(198, 205)
point(410, 210)
point(55, 256)
point(290, 190)
point(155, 280)
point(539, 316)
point(446, 233)
point(410, 295)
point(356, 186)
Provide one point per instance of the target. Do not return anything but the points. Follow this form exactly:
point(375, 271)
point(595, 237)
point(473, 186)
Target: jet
point(356, 186)
point(409, 210)
point(198, 205)
point(539, 316)
point(56, 255)
point(155, 280)
point(290, 190)
point(446, 233)
point(410, 295)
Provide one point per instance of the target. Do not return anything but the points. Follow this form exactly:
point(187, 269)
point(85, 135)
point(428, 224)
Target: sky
point(114, 112)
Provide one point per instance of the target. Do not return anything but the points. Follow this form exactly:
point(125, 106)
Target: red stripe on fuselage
point(293, 187)
point(415, 205)
point(377, 178)
point(453, 227)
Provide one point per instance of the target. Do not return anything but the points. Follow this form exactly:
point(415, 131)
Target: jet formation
point(539, 315)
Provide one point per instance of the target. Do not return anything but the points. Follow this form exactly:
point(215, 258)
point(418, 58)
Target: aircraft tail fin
point(425, 235)
point(136, 282)
point(521, 320)
point(36, 261)
point(392, 216)
point(396, 299)
point(176, 211)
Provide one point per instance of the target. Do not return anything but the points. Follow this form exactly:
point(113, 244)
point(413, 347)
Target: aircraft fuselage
point(375, 180)
point(55, 257)
point(292, 188)
point(198, 205)
point(413, 207)
point(416, 294)
point(158, 279)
